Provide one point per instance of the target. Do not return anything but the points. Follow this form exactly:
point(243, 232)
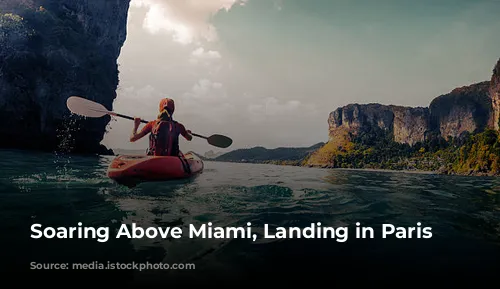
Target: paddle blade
point(85, 107)
point(220, 141)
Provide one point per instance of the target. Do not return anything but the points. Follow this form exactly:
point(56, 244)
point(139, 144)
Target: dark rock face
point(495, 96)
point(465, 109)
point(49, 51)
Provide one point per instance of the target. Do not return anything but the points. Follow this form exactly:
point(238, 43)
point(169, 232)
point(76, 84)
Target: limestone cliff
point(408, 125)
point(411, 124)
point(355, 117)
point(495, 96)
point(50, 50)
point(465, 109)
point(453, 135)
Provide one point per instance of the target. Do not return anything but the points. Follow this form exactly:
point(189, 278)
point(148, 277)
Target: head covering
point(167, 103)
point(166, 108)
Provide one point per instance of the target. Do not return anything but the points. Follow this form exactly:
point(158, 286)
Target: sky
point(268, 72)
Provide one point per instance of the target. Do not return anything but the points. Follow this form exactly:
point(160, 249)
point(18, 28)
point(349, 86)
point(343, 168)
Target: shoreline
point(423, 172)
point(393, 171)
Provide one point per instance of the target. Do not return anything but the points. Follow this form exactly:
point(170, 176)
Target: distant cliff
point(408, 125)
point(465, 109)
point(457, 133)
point(495, 96)
point(50, 50)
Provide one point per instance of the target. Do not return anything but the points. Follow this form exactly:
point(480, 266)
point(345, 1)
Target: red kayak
point(142, 168)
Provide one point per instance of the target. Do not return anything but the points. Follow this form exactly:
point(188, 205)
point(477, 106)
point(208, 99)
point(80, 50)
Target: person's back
point(164, 138)
point(164, 131)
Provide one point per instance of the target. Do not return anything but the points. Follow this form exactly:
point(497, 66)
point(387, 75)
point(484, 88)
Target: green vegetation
point(471, 154)
point(480, 154)
point(339, 146)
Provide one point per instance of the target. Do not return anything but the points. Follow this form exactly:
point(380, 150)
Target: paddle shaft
point(145, 121)
point(199, 135)
point(128, 117)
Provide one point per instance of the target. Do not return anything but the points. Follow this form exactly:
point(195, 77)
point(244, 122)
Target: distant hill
point(212, 155)
point(281, 155)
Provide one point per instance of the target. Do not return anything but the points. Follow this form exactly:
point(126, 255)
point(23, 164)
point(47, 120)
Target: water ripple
point(55, 190)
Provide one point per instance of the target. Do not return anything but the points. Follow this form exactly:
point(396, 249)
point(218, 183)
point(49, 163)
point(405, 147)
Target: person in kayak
point(164, 131)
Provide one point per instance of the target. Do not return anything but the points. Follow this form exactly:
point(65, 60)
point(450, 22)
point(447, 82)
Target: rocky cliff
point(411, 124)
point(408, 125)
point(457, 134)
point(495, 96)
point(50, 50)
point(356, 117)
point(464, 109)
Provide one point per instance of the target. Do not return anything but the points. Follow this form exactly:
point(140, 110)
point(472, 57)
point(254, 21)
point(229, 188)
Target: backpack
point(164, 139)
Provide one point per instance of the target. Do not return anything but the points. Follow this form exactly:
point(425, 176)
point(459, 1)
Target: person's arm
point(185, 133)
point(145, 130)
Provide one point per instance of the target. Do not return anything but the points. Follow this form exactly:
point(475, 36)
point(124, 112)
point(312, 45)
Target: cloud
point(205, 91)
point(200, 55)
point(141, 101)
point(271, 107)
point(206, 102)
point(187, 21)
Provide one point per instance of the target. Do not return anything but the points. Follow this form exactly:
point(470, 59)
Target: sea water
point(67, 191)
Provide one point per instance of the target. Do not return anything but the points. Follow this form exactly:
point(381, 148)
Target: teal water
point(464, 213)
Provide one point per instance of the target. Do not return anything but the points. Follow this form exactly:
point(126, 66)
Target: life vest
point(164, 139)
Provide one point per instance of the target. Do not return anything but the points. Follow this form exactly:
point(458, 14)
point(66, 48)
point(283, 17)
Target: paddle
point(89, 108)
